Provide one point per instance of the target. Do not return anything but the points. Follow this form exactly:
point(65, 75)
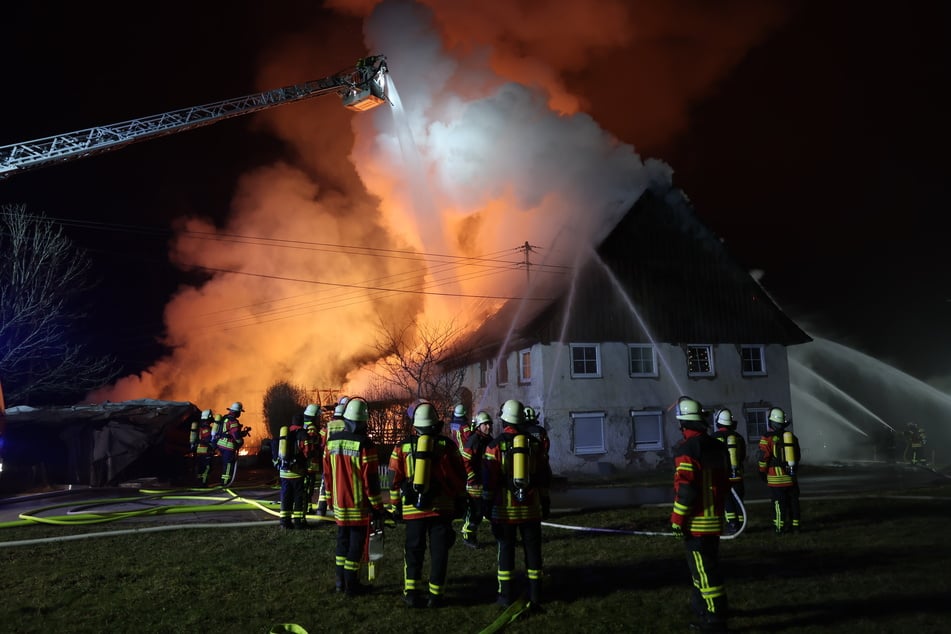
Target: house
point(661, 311)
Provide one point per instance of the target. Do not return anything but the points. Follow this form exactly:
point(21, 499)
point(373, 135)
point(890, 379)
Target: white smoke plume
point(494, 141)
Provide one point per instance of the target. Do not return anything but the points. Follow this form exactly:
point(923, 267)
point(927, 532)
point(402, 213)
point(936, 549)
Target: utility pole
point(527, 249)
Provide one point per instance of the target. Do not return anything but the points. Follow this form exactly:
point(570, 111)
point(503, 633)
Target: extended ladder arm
point(361, 88)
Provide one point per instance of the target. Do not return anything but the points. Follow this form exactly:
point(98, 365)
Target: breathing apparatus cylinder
point(520, 466)
point(789, 451)
point(734, 461)
point(423, 457)
point(193, 436)
point(215, 431)
point(282, 446)
point(375, 553)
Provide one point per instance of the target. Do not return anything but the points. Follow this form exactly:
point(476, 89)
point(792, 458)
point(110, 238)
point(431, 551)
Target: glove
point(396, 512)
point(322, 508)
point(677, 530)
point(376, 520)
point(546, 507)
point(487, 506)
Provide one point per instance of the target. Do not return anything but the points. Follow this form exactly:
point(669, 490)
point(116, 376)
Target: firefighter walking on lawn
point(352, 481)
point(515, 499)
point(779, 458)
point(736, 447)
point(427, 491)
point(291, 461)
point(701, 484)
point(472, 454)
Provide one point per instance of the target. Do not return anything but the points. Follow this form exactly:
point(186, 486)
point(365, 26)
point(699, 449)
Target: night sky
point(817, 152)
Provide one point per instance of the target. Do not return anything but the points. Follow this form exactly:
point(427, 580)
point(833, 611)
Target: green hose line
point(131, 531)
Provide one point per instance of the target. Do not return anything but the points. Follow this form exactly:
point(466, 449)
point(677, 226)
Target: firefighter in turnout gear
point(231, 438)
point(427, 492)
point(459, 424)
point(334, 425)
point(779, 459)
point(315, 457)
point(352, 481)
point(701, 485)
point(472, 454)
point(515, 496)
point(914, 444)
point(736, 447)
point(200, 445)
point(291, 461)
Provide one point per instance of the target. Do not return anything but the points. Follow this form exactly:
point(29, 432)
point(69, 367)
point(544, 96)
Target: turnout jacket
point(230, 439)
point(352, 478)
point(447, 479)
point(722, 435)
point(472, 454)
point(498, 488)
point(701, 483)
point(772, 459)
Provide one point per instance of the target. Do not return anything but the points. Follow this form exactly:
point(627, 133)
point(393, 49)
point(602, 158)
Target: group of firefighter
point(470, 473)
point(217, 435)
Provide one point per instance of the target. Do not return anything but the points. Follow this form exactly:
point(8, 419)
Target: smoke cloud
point(416, 212)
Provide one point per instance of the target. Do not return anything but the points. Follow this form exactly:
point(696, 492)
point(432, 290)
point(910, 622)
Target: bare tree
point(43, 278)
point(413, 361)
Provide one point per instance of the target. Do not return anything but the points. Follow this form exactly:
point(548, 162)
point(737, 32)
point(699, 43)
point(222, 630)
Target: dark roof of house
point(680, 285)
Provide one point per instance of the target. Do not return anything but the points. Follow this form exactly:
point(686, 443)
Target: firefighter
point(315, 457)
point(334, 425)
point(515, 499)
point(914, 444)
point(458, 424)
point(472, 454)
point(736, 447)
point(534, 427)
point(231, 438)
point(352, 481)
point(201, 447)
point(291, 461)
point(427, 491)
point(779, 460)
point(701, 484)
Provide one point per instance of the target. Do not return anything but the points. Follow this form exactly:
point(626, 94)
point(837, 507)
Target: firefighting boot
point(505, 594)
point(340, 585)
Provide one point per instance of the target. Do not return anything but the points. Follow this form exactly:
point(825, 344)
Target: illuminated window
point(700, 360)
point(588, 433)
point(757, 421)
point(648, 430)
point(525, 367)
point(585, 361)
point(643, 358)
point(502, 375)
point(483, 373)
point(753, 360)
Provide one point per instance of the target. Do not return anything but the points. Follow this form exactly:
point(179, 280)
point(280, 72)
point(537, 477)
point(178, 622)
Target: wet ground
point(231, 506)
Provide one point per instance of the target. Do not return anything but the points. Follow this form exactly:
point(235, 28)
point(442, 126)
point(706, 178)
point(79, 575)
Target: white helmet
point(356, 410)
point(724, 418)
point(459, 411)
point(236, 407)
point(512, 412)
point(311, 410)
point(424, 417)
point(338, 411)
point(206, 414)
point(777, 418)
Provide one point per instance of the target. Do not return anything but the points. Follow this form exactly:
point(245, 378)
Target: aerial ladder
point(362, 87)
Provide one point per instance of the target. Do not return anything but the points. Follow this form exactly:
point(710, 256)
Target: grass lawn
point(879, 563)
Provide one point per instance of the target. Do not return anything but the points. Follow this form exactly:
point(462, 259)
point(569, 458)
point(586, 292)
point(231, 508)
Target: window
point(700, 360)
point(483, 373)
point(643, 359)
point(648, 430)
point(753, 360)
point(502, 376)
point(525, 367)
point(585, 361)
point(588, 433)
point(756, 423)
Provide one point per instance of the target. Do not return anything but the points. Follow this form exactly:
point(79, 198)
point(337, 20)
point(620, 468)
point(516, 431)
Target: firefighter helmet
point(777, 418)
point(206, 414)
point(218, 418)
point(424, 418)
point(311, 410)
point(356, 411)
point(512, 412)
point(338, 411)
point(459, 411)
point(483, 418)
point(690, 413)
point(530, 415)
point(236, 407)
point(724, 418)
